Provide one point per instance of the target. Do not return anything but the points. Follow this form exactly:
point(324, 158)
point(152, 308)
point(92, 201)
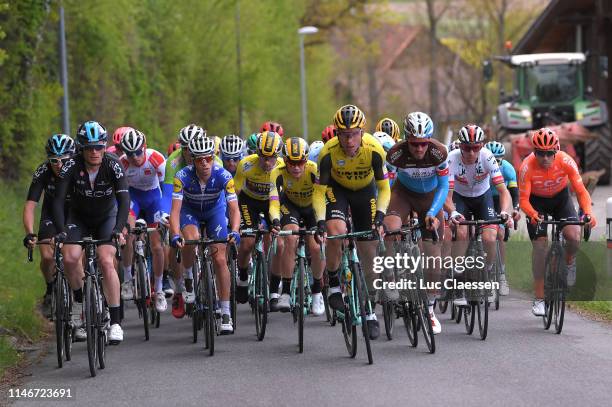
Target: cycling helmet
point(272, 126)
point(295, 149)
point(384, 139)
point(133, 140)
point(188, 132)
point(251, 143)
point(390, 127)
point(471, 134)
point(91, 133)
point(217, 140)
point(231, 147)
point(453, 145)
point(545, 139)
point(59, 145)
point(349, 117)
point(201, 146)
point(118, 134)
point(173, 147)
point(328, 133)
point(269, 144)
point(418, 125)
point(496, 148)
point(315, 150)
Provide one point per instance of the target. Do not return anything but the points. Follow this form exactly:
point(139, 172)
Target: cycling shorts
point(216, 222)
point(559, 206)
point(361, 203)
point(291, 213)
point(46, 227)
point(146, 204)
point(480, 207)
point(404, 202)
point(79, 226)
point(250, 208)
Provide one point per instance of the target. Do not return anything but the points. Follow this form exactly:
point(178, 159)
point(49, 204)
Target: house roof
point(396, 41)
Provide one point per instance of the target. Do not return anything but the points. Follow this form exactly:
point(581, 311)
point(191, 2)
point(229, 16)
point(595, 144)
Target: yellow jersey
point(251, 179)
point(298, 190)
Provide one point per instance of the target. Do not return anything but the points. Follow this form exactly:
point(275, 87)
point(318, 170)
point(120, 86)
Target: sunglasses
point(499, 160)
point(295, 163)
point(419, 144)
point(541, 153)
point(96, 147)
point(134, 153)
point(204, 158)
point(57, 161)
point(232, 159)
point(474, 149)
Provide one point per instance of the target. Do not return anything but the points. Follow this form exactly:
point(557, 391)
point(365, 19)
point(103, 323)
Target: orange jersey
point(546, 183)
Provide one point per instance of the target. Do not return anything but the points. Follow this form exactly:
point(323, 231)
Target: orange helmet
point(545, 139)
point(328, 133)
point(272, 126)
point(118, 134)
point(173, 147)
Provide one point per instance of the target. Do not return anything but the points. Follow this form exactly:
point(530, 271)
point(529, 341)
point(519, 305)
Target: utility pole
point(240, 110)
point(64, 73)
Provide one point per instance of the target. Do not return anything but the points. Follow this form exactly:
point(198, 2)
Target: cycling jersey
point(425, 175)
point(253, 180)
point(94, 195)
point(546, 183)
point(298, 191)
point(509, 175)
point(352, 173)
point(473, 180)
point(148, 176)
point(211, 197)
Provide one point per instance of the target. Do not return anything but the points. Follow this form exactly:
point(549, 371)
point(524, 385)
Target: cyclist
point(173, 147)
point(509, 174)
point(217, 140)
point(253, 186)
point(386, 142)
point(175, 162)
point(543, 186)
point(328, 133)
point(117, 135)
point(296, 179)
point(422, 187)
point(315, 149)
point(272, 126)
point(390, 127)
point(60, 148)
point(472, 171)
point(99, 207)
point(144, 169)
point(352, 174)
point(201, 193)
point(251, 144)
point(232, 151)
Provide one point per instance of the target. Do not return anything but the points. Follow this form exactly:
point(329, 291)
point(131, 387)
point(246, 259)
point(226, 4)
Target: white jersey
point(150, 175)
point(473, 180)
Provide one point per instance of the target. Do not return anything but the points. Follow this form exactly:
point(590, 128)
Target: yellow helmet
point(296, 149)
point(349, 117)
point(390, 127)
point(217, 144)
point(269, 144)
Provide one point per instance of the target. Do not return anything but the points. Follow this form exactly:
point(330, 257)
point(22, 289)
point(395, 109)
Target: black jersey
point(89, 203)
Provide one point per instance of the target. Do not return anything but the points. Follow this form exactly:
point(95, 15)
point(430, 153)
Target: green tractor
point(550, 91)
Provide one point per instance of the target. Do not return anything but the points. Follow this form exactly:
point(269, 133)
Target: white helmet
point(133, 140)
point(189, 132)
point(232, 146)
point(419, 125)
point(385, 140)
point(202, 146)
point(315, 150)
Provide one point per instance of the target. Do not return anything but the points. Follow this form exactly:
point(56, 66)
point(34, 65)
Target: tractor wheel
point(598, 153)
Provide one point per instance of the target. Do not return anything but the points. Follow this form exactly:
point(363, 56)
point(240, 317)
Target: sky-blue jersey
point(509, 175)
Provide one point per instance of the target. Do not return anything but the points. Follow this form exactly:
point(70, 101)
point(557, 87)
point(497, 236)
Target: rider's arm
point(232, 204)
point(441, 190)
point(166, 185)
point(524, 183)
point(159, 162)
point(34, 193)
point(274, 207)
point(28, 216)
point(175, 211)
point(512, 185)
point(582, 195)
point(318, 194)
point(504, 197)
point(239, 177)
point(61, 190)
point(123, 198)
point(382, 181)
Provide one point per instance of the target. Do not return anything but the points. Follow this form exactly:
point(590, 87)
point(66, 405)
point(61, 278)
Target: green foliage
point(155, 65)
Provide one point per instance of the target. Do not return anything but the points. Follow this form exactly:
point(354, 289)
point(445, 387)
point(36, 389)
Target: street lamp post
point(64, 73)
point(301, 33)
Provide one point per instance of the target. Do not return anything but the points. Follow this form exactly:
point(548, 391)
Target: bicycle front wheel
point(362, 301)
point(301, 270)
point(89, 305)
point(209, 308)
point(58, 299)
point(141, 275)
point(261, 296)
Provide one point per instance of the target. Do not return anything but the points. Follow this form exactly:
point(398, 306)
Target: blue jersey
point(509, 175)
point(212, 197)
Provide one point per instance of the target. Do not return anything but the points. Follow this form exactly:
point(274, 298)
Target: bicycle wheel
point(196, 317)
point(67, 321)
point(422, 308)
point(482, 309)
point(58, 300)
point(233, 270)
point(261, 296)
point(301, 270)
point(442, 306)
point(89, 309)
point(388, 311)
point(362, 300)
point(209, 307)
point(550, 286)
point(349, 329)
point(457, 312)
point(469, 317)
point(410, 323)
point(101, 328)
point(141, 282)
point(559, 311)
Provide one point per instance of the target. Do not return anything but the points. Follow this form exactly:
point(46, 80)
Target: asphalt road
point(518, 364)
